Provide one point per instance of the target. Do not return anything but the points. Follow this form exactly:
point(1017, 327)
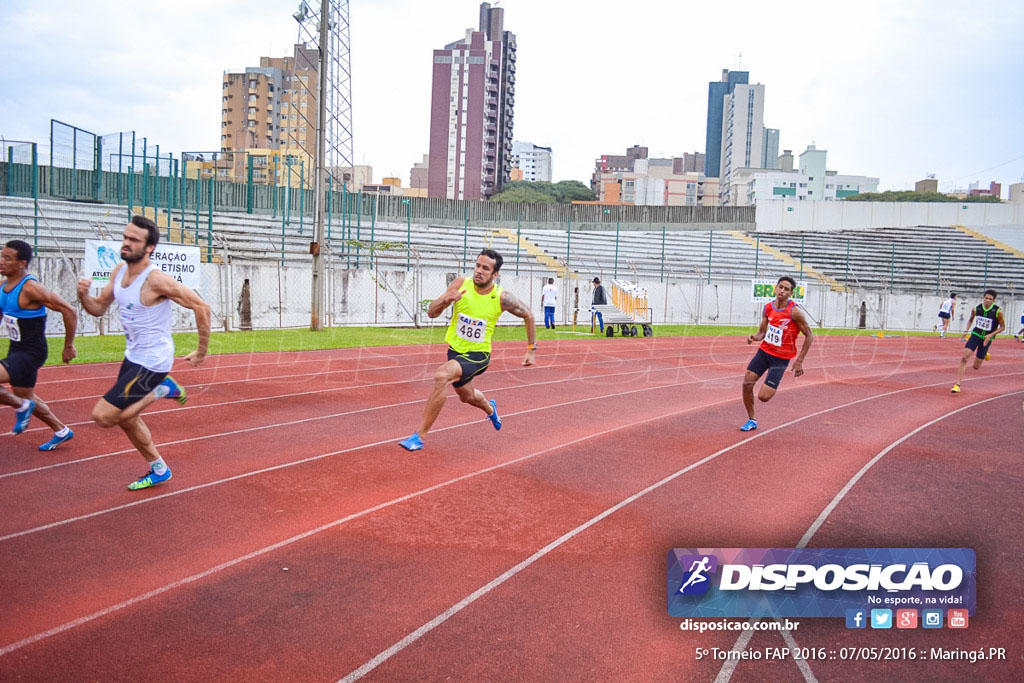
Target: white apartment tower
point(743, 133)
point(533, 160)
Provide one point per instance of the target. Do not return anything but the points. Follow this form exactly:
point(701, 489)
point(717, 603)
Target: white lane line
point(677, 369)
point(333, 415)
point(426, 628)
point(724, 675)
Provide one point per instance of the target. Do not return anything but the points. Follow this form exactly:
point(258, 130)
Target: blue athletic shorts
point(774, 365)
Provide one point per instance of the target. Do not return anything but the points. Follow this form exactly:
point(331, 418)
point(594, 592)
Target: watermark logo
point(697, 579)
point(820, 582)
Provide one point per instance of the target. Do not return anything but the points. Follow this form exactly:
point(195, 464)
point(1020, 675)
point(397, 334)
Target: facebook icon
point(856, 618)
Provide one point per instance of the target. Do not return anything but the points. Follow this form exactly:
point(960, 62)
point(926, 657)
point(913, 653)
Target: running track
point(296, 541)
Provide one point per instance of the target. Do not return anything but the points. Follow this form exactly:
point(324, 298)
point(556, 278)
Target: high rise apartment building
point(272, 106)
point(717, 90)
point(471, 111)
point(533, 160)
point(743, 133)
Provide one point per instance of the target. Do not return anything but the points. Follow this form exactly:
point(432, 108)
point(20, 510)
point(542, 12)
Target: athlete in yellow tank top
point(478, 303)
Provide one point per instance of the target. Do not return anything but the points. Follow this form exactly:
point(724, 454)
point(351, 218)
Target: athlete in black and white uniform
point(144, 294)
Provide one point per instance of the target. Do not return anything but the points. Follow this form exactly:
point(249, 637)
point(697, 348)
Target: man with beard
point(23, 305)
point(144, 294)
point(479, 303)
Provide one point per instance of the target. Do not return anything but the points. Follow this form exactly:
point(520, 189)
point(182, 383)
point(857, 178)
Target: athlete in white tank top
point(149, 348)
point(147, 329)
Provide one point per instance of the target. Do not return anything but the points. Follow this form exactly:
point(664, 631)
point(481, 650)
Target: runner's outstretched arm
point(801, 321)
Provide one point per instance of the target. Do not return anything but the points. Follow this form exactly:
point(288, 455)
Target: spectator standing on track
point(985, 323)
point(479, 302)
point(23, 305)
point(549, 299)
point(144, 294)
point(946, 312)
point(781, 322)
point(600, 299)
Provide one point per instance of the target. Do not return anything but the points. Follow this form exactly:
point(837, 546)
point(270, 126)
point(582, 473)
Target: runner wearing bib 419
point(781, 323)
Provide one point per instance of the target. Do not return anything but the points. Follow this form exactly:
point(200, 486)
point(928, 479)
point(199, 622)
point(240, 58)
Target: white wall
point(785, 214)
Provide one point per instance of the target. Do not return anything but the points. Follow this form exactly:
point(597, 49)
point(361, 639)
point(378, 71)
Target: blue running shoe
point(56, 441)
point(151, 478)
point(413, 443)
point(495, 420)
point(749, 426)
point(22, 417)
point(174, 390)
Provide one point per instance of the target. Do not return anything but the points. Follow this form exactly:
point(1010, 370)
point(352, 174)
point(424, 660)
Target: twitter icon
point(881, 618)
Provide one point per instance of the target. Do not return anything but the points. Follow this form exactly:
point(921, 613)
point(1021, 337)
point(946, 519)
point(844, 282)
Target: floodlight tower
point(324, 26)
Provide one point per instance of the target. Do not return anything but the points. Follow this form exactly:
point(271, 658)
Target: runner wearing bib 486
point(781, 322)
point(479, 302)
point(985, 323)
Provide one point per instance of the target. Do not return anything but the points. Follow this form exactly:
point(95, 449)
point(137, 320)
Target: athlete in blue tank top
point(23, 307)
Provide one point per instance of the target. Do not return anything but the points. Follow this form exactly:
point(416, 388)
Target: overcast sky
point(892, 89)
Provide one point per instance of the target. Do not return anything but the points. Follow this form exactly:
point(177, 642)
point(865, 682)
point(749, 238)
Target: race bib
point(473, 330)
point(983, 324)
point(774, 335)
point(10, 329)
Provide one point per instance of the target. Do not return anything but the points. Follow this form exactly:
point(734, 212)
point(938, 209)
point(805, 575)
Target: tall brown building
point(272, 106)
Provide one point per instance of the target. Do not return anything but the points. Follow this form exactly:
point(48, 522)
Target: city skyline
point(892, 91)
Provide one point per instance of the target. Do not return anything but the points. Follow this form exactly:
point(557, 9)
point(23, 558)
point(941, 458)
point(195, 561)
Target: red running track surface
point(297, 541)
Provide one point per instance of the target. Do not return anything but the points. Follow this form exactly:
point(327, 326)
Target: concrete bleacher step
point(988, 240)
point(793, 262)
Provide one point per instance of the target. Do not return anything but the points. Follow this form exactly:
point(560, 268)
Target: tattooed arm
point(520, 310)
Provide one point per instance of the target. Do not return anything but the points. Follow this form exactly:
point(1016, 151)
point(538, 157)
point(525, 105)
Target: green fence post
point(802, 238)
point(711, 242)
point(359, 223)
point(197, 187)
point(51, 157)
point(209, 225)
point(145, 181)
point(757, 253)
point(519, 230)
point(373, 225)
point(10, 169)
point(330, 185)
point(120, 156)
point(892, 268)
point(74, 163)
point(938, 273)
point(847, 264)
point(248, 199)
point(273, 192)
point(131, 188)
point(568, 244)
point(661, 278)
point(465, 235)
point(156, 184)
point(35, 196)
point(302, 193)
point(616, 273)
point(97, 181)
point(408, 234)
point(344, 216)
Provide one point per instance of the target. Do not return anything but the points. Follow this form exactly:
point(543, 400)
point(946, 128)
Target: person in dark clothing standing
point(600, 299)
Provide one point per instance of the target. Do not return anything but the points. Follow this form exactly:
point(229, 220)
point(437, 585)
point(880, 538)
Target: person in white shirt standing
point(946, 311)
point(144, 294)
point(549, 299)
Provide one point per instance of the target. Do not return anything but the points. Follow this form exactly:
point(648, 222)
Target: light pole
point(408, 234)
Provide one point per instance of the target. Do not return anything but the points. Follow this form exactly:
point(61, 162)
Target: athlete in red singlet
point(781, 322)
